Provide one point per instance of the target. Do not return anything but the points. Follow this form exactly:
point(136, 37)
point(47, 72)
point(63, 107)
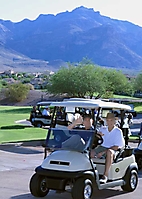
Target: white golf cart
point(39, 120)
point(69, 166)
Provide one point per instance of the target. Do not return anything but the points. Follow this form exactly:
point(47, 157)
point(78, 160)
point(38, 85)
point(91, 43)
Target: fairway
point(10, 131)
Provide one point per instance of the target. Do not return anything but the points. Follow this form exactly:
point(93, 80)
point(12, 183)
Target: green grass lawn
point(125, 97)
point(12, 132)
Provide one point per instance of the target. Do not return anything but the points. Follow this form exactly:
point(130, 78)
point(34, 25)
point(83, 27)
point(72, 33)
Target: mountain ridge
point(70, 36)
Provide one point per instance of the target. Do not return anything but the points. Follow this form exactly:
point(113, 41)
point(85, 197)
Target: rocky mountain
point(70, 36)
point(12, 60)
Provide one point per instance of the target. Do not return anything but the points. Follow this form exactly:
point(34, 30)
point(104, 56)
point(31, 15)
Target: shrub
point(108, 94)
point(30, 86)
point(17, 92)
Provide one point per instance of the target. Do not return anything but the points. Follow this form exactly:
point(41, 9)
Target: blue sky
point(17, 10)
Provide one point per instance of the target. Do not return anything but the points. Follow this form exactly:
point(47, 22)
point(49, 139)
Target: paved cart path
point(17, 164)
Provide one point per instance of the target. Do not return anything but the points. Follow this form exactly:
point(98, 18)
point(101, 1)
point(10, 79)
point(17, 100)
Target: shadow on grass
point(14, 127)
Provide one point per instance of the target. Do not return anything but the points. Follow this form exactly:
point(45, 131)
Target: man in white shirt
point(112, 141)
point(46, 112)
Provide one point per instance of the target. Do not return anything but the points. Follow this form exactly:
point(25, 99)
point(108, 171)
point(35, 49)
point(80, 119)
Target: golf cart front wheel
point(38, 186)
point(38, 124)
point(131, 181)
point(82, 189)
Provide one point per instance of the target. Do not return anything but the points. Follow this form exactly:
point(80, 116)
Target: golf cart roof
point(44, 103)
point(84, 99)
point(90, 103)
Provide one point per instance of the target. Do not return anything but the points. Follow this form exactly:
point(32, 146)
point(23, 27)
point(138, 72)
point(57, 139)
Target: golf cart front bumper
point(57, 180)
point(63, 174)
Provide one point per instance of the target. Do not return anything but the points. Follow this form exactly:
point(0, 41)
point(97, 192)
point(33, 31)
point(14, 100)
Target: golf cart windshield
point(75, 139)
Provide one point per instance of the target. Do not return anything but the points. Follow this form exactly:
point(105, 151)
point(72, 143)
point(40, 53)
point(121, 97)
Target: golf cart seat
point(98, 160)
point(121, 153)
point(103, 160)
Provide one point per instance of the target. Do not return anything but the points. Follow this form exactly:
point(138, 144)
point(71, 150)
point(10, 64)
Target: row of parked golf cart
point(40, 120)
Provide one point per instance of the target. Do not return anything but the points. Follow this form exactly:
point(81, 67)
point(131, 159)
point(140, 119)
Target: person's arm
point(78, 121)
point(118, 140)
point(100, 133)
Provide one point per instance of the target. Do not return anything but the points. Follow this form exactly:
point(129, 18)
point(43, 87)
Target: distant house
point(37, 83)
point(9, 72)
point(9, 80)
point(130, 77)
point(52, 73)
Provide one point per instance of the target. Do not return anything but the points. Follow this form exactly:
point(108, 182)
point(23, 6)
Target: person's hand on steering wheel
point(100, 133)
point(98, 140)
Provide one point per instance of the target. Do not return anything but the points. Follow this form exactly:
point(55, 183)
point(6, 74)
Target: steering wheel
point(98, 140)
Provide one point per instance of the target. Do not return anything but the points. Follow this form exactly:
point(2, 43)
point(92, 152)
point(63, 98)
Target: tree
point(26, 80)
point(138, 83)
point(116, 81)
point(92, 80)
point(80, 80)
point(0, 85)
point(85, 78)
point(16, 91)
point(3, 83)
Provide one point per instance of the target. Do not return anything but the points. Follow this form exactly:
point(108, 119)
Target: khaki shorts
point(100, 149)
